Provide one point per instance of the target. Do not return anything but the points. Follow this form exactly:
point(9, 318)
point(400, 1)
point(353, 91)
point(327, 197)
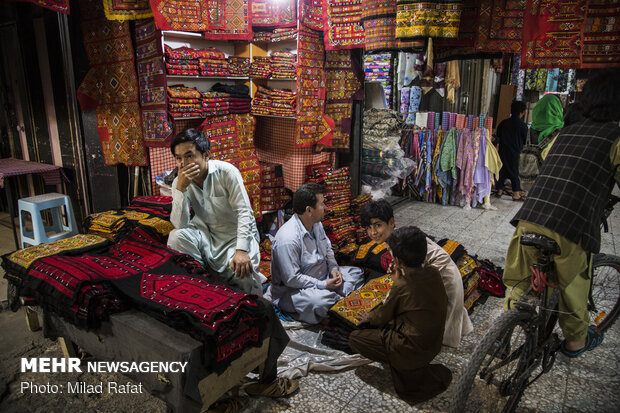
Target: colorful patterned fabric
point(111, 85)
point(500, 26)
point(343, 28)
point(127, 9)
point(362, 300)
point(552, 33)
point(152, 82)
point(218, 19)
point(312, 14)
point(274, 13)
point(60, 6)
point(468, 28)
point(427, 18)
point(601, 35)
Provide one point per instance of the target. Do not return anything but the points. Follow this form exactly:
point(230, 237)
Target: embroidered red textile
point(601, 35)
point(61, 6)
point(269, 13)
point(218, 19)
point(312, 14)
point(343, 26)
point(111, 85)
point(500, 26)
point(552, 34)
point(127, 9)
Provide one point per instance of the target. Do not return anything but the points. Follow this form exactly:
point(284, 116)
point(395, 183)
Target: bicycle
point(523, 342)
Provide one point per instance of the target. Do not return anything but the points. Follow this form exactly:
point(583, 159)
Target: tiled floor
point(581, 385)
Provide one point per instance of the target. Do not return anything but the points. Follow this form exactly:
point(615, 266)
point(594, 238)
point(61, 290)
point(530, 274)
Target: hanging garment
point(482, 181)
point(465, 163)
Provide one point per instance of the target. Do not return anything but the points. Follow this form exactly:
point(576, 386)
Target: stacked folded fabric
point(283, 65)
point(215, 103)
point(273, 194)
point(186, 61)
point(261, 67)
point(239, 100)
point(238, 66)
point(377, 69)
point(215, 67)
point(184, 101)
point(282, 34)
point(276, 102)
point(357, 204)
point(260, 37)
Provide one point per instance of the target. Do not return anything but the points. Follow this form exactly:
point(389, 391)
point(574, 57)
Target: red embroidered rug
point(601, 35)
point(61, 6)
point(127, 9)
point(269, 13)
point(552, 34)
point(218, 19)
point(311, 14)
point(152, 81)
point(343, 26)
point(500, 26)
point(111, 86)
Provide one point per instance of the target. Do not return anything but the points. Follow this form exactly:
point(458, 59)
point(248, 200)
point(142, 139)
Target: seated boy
point(410, 323)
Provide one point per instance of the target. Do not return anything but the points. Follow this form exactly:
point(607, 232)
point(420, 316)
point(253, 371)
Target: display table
point(11, 167)
point(135, 336)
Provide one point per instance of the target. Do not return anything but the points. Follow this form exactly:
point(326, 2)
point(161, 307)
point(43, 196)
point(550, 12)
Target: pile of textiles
point(381, 163)
point(275, 102)
point(283, 65)
point(238, 66)
point(480, 277)
point(186, 61)
point(377, 69)
point(261, 37)
point(383, 159)
point(265, 259)
point(357, 204)
point(238, 97)
point(184, 101)
point(284, 33)
point(215, 103)
point(339, 225)
point(261, 67)
point(84, 279)
point(149, 211)
point(273, 194)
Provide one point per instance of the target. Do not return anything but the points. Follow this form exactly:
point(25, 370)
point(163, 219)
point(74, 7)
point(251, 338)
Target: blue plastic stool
point(35, 205)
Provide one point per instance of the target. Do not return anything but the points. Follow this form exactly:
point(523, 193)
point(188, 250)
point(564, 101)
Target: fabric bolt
point(430, 122)
point(500, 26)
point(414, 104)
point(127, 10)
point(218, 19)
point(427, 18)
point(552, 34)
point(111, 58)
point(552, 80)
point(460, 121)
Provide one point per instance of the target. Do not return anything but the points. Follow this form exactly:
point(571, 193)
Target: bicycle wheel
point(493, 380)
point(604, 305)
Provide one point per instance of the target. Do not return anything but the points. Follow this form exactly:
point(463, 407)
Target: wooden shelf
point(181, 35)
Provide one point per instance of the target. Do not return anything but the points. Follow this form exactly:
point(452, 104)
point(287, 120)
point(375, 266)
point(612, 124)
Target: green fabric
point(547, 116)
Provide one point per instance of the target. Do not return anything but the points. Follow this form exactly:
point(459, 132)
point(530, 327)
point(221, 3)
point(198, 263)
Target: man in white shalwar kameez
point(306, 280)
point(222, 234)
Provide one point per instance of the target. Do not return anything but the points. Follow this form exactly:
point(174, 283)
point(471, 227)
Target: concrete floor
point(586, 384)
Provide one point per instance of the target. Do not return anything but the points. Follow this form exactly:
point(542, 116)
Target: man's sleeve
point(240, 203)
point(179, 216)
point(286, 257)
point(329, 252)
point(615, 160)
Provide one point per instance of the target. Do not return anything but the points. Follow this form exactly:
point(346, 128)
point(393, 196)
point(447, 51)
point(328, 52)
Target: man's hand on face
point(241, 264)
point(186, 175)
point(334, 281)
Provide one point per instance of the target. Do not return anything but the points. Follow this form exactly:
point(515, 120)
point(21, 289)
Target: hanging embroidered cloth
point(152, 82)
point(437, 18)
point(218, 19)
point(601, 35)
point(312, 14)
point(379, 20)
point(111, 85)
point(500, 26)
point(127, 9)
point(60, 6)
point(552, 34)
point(343, 27)
point(269, 13)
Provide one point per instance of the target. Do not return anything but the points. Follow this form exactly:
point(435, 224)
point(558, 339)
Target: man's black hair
point(305, 196)
point(380, 209)
point(408, 244)
point(192, 135)
point(600, 96)
point(517, 107)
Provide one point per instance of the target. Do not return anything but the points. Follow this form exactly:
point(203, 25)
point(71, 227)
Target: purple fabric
point(445, 120)
point(430, 123)
point(470, 122)
point(13, 167)
point(452, 122)
point(482, 179)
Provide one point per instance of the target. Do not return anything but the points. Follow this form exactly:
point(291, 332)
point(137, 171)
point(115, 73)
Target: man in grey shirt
point(306, 280)
point(222, 234)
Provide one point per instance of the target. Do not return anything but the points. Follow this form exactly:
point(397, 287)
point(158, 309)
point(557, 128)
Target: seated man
point(378, 219)
point(223, 233)
point(306, 280)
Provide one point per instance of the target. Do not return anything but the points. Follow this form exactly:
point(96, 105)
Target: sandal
point(520, 199)
point(229, 405)
point(499, 193)
point(280, 387)
point(593, 339)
